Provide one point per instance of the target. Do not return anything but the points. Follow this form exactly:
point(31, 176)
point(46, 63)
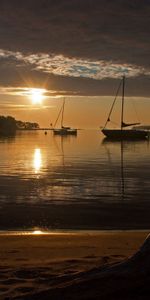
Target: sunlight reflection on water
point(82, 182)
point(37, 160)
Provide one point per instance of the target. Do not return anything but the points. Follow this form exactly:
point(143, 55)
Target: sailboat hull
point(126, 134)
point(65, 131)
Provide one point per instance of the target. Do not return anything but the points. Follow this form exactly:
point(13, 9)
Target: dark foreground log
point(128, 280)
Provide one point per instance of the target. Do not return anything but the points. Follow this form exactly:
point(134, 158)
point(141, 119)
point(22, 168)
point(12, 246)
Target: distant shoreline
point(71, 232)
point(37, 129)
point(27, 129)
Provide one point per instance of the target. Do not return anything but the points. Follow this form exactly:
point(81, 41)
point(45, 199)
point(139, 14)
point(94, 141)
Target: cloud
point(67, 44)
point(74, 67)
point(107, 30)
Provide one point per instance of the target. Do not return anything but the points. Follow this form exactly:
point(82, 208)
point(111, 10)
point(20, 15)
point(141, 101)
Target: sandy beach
point(32, 264)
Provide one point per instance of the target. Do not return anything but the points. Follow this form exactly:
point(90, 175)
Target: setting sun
point(37, 95)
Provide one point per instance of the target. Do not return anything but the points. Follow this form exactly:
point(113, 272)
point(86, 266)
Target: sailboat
point(121, 133)
point(63, 130)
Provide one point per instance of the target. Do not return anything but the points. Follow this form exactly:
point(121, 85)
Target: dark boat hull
point(126, 134)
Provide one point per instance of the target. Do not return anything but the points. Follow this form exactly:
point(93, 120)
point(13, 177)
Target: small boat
point(121, 133)
point(63, 130)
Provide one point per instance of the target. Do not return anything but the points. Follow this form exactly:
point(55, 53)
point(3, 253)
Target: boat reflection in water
point(59, 141)
point(120, 145)
point(125, 147)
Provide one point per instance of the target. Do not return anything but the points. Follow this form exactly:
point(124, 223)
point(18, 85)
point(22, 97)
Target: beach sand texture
point(63, 266)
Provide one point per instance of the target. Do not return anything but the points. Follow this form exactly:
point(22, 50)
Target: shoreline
point(39, 231)
point(31, 264)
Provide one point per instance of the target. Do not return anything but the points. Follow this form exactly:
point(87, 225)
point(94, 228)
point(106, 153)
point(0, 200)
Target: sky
point(77, 49)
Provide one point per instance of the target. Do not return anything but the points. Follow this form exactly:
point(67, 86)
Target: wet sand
point(32, 264)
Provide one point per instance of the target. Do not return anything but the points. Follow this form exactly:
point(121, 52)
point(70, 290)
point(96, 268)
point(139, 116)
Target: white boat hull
point(65, 131)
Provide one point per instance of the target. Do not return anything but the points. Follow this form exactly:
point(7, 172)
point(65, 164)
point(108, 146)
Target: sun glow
point(37, 95)
point(38, 232)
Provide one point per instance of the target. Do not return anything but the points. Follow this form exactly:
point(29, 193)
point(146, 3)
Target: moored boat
point(63, 130)
point(122, 133)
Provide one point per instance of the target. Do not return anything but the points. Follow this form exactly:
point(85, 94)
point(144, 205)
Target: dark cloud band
point(114, 32)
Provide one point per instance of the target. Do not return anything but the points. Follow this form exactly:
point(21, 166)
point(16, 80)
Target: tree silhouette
point(7, 125)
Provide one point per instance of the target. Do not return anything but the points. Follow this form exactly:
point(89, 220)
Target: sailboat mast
point(122, 110)
point(62, 117)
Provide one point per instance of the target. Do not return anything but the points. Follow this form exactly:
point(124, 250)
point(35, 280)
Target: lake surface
point(73, 182)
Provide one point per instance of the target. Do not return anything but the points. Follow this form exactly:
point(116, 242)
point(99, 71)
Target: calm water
point(81, 182)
